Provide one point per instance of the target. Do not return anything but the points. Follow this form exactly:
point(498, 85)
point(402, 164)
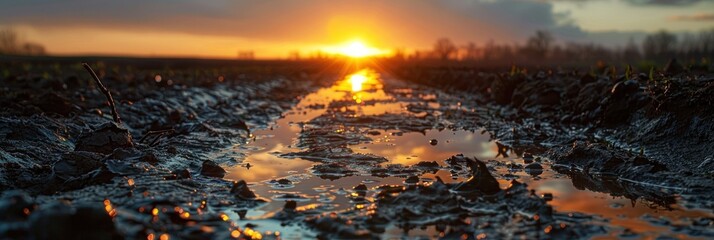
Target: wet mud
point(369, 154)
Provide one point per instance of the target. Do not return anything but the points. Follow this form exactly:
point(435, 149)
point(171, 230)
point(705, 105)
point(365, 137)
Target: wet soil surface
point(362, 155)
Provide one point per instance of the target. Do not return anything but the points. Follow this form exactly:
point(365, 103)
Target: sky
point(273, 28)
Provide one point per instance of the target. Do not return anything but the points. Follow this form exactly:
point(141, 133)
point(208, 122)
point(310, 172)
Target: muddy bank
point(69, 170)
point(652, 129)
point(293, 154)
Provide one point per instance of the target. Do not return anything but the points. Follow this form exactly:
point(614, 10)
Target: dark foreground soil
point(70, 171)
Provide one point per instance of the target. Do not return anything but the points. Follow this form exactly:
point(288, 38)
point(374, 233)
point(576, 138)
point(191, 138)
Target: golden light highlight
point(355, 49)
point(356, 80)
point(359, 81)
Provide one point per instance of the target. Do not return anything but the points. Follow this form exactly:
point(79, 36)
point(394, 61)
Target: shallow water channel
point(263, 164)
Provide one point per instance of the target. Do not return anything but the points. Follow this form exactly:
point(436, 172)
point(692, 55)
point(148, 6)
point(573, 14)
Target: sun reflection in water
point(357, 80)
point(360, 81)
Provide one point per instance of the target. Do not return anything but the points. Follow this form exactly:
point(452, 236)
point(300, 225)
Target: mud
point(295, 153)
point(643, 136)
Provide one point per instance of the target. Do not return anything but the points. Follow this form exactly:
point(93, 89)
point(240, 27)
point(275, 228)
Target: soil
point(286, 150)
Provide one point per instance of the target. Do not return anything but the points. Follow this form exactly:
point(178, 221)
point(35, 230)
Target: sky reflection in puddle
point(365, 89)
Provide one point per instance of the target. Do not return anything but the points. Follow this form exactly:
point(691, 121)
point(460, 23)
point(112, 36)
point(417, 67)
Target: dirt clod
point(211, 169)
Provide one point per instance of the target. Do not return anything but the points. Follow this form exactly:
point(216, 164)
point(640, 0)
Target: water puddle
point(279, 179)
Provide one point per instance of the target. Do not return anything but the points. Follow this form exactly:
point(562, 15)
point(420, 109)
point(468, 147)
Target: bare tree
point(8, 41)
point(399, 54)
point(32, 49)
point(660, 45)
point(631, 51)
point(706, 43)
point(539, 44)
point(444, 48)
point(471, 52)
point(10, 44)
point(246, 55)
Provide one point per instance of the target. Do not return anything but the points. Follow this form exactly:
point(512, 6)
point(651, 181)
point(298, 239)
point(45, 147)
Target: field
point(217, 149)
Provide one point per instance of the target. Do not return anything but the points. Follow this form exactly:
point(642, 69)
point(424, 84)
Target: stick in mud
point(106, 92)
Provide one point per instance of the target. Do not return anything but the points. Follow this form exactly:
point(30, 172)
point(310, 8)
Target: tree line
point(10, 44)
point(658, 47)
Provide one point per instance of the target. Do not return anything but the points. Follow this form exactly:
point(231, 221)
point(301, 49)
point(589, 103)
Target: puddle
point(362, 94)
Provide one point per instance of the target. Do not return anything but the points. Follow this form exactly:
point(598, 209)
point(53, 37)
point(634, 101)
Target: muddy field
point(315, 150)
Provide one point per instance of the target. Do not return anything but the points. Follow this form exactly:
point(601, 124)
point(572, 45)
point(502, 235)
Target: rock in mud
point(290, 205)
point(534, 169)
point(433, 142)
point(527, 158)
point(240, 189)
point(412, 180)
point(284, 181)
point(211, 169)
point(481, 180)
point(77, 163)
point(428, 165)
point(361, 188)
point(105, 139)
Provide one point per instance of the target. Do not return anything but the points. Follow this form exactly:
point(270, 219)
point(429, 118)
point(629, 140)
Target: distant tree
point(294, 55)
point(631, 52)
point(444, 48)
point(539, 44)
point(10, 44)
point(706, 42)
point(399, 54)
point(32, 49)
point(471, 52)
point(660, 45)
point(246, 55)
point(8, 41)
point(494, 52)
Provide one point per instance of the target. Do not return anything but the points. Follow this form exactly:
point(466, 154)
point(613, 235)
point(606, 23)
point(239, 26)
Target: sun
point(357, 49)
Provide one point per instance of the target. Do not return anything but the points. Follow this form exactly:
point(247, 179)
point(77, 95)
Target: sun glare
point(360, 80)
point(357, 80)
point(357, 49)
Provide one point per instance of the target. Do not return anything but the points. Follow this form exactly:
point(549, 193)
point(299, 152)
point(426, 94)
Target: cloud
point(697, 17)
point(299, 20)
point(395, 23)
point(664, 2)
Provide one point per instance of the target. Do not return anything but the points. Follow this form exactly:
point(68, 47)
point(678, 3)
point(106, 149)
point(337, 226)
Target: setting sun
point(357, 119)
point(356, 49)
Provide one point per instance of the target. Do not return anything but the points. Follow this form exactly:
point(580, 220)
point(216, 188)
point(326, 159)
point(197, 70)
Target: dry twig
point(106, 92)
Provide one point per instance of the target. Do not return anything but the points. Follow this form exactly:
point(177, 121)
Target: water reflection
point(412, 147)
point(362, 94)
point(356, 80)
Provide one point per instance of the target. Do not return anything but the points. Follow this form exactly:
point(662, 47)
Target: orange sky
point(273, 28)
